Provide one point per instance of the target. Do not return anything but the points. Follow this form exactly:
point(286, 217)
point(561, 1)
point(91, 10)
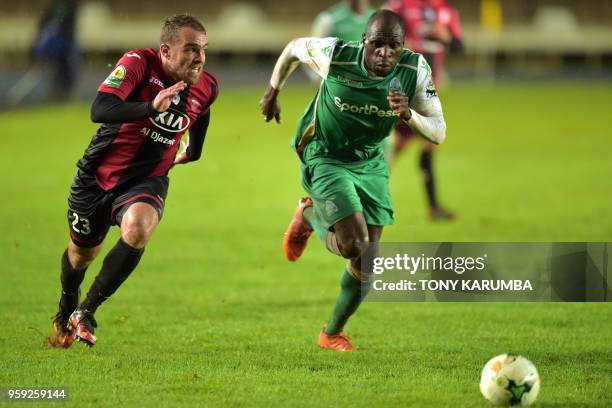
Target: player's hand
point(269, 105)
point(164, 98)
point(181, 157)
point(398, 101)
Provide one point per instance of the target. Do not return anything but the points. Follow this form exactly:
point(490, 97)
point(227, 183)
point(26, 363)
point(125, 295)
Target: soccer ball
point(510, 380)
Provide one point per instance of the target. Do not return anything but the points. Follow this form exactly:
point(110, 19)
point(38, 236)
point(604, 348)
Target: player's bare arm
point(300, 50)
point(269, 104)
point(285, 65)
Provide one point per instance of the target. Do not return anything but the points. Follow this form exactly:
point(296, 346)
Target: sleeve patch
point(116, 77)
point(430, 90)
point(310, 49)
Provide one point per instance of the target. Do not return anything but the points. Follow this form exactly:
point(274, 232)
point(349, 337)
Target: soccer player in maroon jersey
point(146, 104)
point(432, 29)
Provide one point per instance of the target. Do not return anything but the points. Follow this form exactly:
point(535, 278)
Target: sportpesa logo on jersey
point(171, 120)
point(364, 109)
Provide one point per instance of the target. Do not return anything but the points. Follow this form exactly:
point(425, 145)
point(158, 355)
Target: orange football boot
point(62, 336)
point(337, 342)
point(298, 232)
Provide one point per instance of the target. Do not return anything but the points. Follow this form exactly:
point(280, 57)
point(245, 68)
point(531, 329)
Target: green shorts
point(339, 190)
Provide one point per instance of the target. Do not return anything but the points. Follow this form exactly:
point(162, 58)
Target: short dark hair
point(386, 17)
point(173, 24)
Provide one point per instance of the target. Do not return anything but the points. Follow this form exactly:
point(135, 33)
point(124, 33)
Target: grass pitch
point(214, 316)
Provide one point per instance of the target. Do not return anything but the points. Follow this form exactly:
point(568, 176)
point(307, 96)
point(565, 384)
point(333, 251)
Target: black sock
point(71, 280)
point(426, 166)
point(117, 266)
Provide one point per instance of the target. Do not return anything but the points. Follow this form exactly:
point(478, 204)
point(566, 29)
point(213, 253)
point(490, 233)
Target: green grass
point(214, 316)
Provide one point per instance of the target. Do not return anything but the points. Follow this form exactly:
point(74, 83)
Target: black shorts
point(92, 211)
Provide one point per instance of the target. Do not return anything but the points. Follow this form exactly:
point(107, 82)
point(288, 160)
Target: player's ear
point(164, 49)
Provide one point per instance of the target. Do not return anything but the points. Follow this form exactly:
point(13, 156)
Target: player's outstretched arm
point(285, 65)
point(109, 108)
point(164, 98)
point(269, 104)
point(314, 52)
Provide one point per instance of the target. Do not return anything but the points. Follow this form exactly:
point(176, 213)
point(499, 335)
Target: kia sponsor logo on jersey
point(157, 137)
point(171, 120)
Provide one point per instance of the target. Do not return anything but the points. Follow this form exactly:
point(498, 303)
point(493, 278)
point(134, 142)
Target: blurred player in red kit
point(432, 29)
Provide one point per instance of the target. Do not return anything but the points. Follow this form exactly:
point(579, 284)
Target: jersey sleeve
point(427, 117)
point(214, 93)
point(316, 53)
point(128, 72)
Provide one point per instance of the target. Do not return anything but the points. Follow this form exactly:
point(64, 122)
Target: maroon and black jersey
point(419, 17)
point(121, 153)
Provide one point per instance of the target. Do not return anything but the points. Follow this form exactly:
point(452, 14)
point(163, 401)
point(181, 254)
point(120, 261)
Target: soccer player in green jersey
point(367, 87)
point(345, 20)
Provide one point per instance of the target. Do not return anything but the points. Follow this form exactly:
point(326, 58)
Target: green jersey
point(340, 21)
point(350, 116)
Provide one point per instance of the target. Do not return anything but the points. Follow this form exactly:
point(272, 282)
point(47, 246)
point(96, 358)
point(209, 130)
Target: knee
point(137, 230)
point(353, 247)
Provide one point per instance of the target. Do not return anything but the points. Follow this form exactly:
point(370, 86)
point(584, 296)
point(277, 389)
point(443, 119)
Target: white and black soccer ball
point(510, 380)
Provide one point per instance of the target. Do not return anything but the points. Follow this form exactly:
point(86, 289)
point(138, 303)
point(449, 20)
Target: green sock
point(348, 301)
point(311, 218)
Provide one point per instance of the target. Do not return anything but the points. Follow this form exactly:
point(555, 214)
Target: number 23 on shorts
point(80, 224)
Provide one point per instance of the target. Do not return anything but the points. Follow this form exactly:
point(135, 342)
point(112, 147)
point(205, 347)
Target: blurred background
point(504, 40)
point(528, 154)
